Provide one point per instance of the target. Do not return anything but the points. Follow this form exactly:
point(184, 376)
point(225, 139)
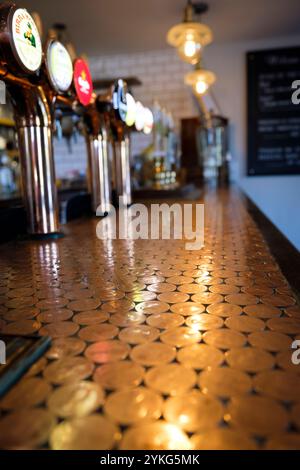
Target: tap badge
point(83, 82)
point(29, 35)
point(26, 40)
point(59, 66)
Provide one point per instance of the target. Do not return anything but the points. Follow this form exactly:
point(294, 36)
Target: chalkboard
point(273, 119)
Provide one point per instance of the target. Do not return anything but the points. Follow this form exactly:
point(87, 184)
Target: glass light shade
point(200, 80)
point(131, 110)
point(189, 38)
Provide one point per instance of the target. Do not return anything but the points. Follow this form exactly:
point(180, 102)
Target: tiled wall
point(70, 157)
point(161, 74)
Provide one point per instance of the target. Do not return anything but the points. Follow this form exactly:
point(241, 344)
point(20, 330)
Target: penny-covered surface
point(153, 346)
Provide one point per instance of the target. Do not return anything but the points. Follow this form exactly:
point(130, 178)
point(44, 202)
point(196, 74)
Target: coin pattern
point(153, 346)
point(93, 432)
point(75, 400)
point(134, 405)
point(194, 412)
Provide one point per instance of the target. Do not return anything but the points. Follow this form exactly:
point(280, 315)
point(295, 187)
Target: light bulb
point(190, 52)
point(190, 48)
point(201, 87)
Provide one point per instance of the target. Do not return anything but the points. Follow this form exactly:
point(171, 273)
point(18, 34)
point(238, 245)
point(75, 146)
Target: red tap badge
point(83, 82)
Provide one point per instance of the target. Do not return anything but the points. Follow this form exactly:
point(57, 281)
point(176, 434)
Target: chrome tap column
point(34, 127)
point(98, 169)
point(121, 164)
point(121, 144)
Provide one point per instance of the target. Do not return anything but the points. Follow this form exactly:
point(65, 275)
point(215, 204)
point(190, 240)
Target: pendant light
point(200, 79)
point(189, 37)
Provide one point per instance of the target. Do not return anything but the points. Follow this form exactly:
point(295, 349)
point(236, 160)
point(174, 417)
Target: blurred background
point(128, 39)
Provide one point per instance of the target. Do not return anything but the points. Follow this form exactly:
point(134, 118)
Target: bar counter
point(154, 346)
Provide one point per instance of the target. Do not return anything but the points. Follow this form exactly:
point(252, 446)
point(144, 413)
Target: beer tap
point(120, 144)
point(34, 87)
point(96, 135)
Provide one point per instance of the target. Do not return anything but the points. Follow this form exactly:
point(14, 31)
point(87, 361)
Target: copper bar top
point(154, 346)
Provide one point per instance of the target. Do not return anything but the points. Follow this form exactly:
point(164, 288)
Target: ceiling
point(124, 26)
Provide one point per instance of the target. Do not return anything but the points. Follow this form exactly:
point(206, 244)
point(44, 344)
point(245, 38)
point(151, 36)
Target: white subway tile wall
point(70, 157)
point(162, 76)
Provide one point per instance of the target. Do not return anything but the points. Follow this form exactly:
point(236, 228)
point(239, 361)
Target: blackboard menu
point(273, 119)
